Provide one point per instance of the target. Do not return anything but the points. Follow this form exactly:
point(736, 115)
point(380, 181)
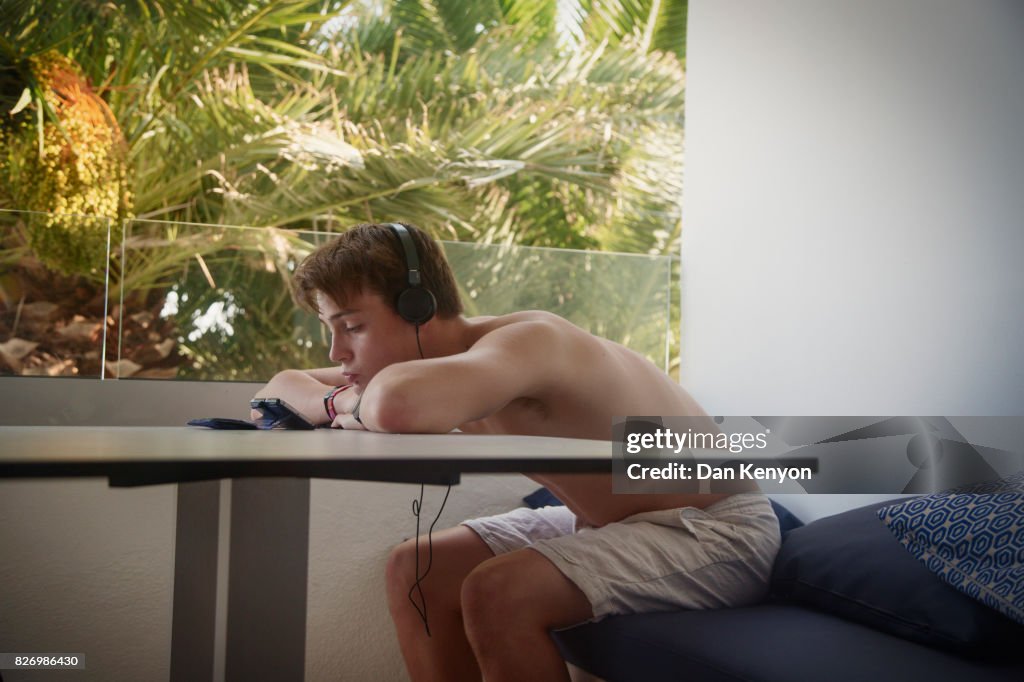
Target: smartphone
point(277, 414)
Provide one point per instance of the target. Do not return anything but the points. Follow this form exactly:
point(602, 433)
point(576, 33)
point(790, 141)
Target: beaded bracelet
point(329, 400)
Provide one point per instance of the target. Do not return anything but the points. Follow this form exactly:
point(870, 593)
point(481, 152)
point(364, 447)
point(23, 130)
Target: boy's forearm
point(401, 400)
point(329, 376)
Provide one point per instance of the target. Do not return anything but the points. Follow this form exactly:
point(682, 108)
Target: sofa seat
point(765, 643)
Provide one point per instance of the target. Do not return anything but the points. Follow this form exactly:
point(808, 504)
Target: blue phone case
point(223, 423)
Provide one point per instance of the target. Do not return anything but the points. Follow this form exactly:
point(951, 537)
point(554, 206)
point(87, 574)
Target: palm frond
point(651, 24)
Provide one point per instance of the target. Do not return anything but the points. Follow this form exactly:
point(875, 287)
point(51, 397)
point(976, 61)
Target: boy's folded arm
point(438, 395)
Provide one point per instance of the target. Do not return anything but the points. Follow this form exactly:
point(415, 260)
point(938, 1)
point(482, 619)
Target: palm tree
point(91, 86)
point(404, 103)
point(507, 121)
point(595, 85)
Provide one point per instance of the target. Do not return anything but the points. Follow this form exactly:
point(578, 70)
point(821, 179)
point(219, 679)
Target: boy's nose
point(339, 352)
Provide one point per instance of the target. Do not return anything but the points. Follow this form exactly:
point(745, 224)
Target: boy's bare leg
point(509, 605)
point(446, 654)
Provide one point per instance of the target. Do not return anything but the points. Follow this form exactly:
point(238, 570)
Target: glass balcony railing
point(208, 302)
point(622, 297)
point(211, 302)
point(53, 308)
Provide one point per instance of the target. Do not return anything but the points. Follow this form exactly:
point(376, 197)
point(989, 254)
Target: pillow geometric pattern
point(972, 538)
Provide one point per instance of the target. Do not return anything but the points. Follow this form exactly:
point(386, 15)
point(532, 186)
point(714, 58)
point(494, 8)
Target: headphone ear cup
point(416, 305)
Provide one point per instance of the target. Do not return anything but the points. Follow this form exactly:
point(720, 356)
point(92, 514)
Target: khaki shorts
point(717, 557)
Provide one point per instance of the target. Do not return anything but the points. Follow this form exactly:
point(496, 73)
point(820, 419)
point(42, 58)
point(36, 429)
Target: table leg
point(240, 575)
point(195, 582)
point(266, 607)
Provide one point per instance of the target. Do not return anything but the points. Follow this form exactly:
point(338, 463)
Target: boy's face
point(366, 336)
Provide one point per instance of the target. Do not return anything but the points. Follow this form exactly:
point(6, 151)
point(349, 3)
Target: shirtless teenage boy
point(499, 584)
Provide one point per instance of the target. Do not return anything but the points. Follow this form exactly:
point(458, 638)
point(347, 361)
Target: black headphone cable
point(417, 586)
point(417, 506)
point(418, 346)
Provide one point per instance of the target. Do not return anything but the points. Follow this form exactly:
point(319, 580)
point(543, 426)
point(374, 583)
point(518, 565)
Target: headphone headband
point(415, 304)
point(412, 259)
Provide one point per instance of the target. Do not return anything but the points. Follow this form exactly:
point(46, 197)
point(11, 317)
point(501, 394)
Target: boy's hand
point(344, 404)
point(347, 422)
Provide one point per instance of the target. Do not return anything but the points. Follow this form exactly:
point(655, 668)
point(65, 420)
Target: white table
point(262, 563)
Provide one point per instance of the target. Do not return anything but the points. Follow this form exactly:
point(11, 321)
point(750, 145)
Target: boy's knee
point(491, 592)
point(521, 589)
point(401, 566)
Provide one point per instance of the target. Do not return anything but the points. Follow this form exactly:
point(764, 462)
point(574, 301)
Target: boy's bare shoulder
point(565, 352)
point(541, 322)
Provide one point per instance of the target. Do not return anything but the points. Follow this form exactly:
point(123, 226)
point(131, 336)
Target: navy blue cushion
point(542, 497)
point(787, 519)
point(973, 539)
point(851, 565)
point(768, 643)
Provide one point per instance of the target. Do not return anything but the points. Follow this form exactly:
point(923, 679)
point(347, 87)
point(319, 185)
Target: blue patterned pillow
point(972, 538)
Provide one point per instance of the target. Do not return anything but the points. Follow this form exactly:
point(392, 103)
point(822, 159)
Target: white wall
point(87, 569)
point(853, 207)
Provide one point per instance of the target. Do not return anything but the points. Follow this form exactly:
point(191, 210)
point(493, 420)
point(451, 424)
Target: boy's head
point(369, 258)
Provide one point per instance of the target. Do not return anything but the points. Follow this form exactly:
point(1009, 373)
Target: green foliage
point(500, 121)
point(228, 291)
point(65, 168)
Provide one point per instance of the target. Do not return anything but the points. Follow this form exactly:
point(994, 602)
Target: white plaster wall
point(854, 208)
point(87, 569)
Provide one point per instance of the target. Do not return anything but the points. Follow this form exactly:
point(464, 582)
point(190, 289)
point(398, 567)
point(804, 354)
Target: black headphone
point(416, 304)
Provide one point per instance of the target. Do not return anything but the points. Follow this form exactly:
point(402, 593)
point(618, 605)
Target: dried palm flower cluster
point(74, 166)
